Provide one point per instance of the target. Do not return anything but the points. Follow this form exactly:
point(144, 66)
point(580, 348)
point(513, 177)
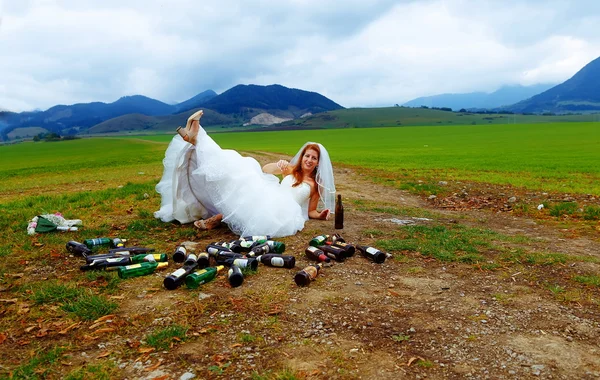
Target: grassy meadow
point(50, 311)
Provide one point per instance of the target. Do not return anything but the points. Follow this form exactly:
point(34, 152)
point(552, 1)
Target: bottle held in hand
point(339, 213)
point(202, 276)
point(277, 260)
point(314, 253)
point(308, 274)
point(372, 253)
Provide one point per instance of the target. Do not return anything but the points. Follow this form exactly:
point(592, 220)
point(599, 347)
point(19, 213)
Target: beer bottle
point(316, 254)
point(308, 274)
point(116, 242)
point(277, 260)
point(91, 243)
point(222, 256)
point(348, 248)
point(203, 260)
point(259, 249)
point(78, 248)
point(131, 250)
point(241, 262)
point(339, 213)
point(259, 239)
point(140, 269)
point(276, 246)
point(199, 277)
point(214, 249)
point(243, 245)
point(89, 259)
point(319, 240)
point(333, 252)
point(109, 263)
point(235, 276)
point(176, 278)
point(337, 237)
point(372, 253)
point(180, 254)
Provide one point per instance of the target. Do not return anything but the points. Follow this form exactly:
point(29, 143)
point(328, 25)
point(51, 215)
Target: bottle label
point(212, 250)
point(241, 263)
point(182, 249)
point(311, 271)
point(277, 262)
point(113, 259)
point(133, 266)
point(152, 258)
point(192, 257)
point(178, 273)
point(230, 273)
point(372, 250)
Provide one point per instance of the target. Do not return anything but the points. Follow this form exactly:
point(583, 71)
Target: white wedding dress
point(204, 180)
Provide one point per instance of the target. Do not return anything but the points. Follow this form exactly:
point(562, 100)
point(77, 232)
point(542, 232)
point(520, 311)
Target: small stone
point(432, 197)
point(187, 376)
point(512, 199)
point(146, 195)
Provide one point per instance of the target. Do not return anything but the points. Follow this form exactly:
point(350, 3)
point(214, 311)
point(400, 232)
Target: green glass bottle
point(319, 240)
point(140, 269)
point(275, 246)
point(97, 242)
point(160, 257)
point(199, 277)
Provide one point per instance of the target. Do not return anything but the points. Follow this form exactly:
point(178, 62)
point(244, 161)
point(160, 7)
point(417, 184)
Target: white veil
point(324, 177)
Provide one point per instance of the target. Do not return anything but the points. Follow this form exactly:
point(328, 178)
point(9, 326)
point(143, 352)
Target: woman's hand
point(325, 214)
point(283, 165)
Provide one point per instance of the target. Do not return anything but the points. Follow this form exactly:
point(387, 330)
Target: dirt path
point(412, 316)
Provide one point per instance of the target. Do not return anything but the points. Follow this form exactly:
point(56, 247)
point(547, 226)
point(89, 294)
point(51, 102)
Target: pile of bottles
point(200, 265)
point(245, 252)
point(325, 248)
point(127, 261)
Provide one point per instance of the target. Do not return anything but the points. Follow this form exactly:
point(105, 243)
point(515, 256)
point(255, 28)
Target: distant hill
point(234, 107)
point(580, 93)
point(506, 95)
point(251, 100)
point(196, 101)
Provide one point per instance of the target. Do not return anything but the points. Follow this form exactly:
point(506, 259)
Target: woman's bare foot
point(210, 223)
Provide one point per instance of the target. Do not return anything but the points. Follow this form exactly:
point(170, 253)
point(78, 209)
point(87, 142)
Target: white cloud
point(355, 52)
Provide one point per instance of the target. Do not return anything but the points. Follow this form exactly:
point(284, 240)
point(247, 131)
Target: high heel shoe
point(191, 129)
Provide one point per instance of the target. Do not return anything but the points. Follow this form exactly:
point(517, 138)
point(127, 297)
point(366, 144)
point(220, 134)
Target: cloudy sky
point(356, 52)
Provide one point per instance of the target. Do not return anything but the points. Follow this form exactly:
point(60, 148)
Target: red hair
point(297, 169)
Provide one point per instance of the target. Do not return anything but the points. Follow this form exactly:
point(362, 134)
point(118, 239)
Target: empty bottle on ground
point(372, 253)
point(308, 274)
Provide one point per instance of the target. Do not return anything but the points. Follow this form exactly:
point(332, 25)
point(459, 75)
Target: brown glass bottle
point(348, 248)
point(277, 260)
point(333, 252)
point(372, 253)
point(314, 253)
point(308, 274)
point(339, 213)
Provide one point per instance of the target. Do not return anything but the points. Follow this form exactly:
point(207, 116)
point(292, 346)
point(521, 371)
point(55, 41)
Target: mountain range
point(253, 104)
point(504, 96)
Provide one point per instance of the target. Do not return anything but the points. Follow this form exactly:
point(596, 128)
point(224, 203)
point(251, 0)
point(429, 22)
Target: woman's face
point(310, 160)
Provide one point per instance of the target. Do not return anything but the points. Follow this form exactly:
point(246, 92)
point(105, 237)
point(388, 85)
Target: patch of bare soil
point(410, 317)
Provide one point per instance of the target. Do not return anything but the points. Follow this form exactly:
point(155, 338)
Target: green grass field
point(562, 157)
